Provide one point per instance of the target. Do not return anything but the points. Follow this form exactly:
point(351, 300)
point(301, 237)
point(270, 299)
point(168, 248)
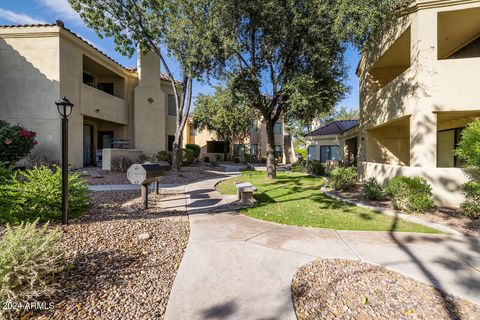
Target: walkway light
point(64, 108)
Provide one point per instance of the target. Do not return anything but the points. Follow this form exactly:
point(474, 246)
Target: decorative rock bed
point(114, 270)
point(349, 289)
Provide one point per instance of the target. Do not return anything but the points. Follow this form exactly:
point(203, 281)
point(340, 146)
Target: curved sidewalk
point(236, 267)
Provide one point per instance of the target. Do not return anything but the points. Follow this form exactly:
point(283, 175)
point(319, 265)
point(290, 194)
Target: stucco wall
point(445, 182)
point(149, 110)
point(29, 85)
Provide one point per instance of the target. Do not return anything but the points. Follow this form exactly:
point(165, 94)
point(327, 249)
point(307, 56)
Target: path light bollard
point(145, 174)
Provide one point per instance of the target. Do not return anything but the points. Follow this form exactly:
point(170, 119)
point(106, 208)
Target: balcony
point(101, 105)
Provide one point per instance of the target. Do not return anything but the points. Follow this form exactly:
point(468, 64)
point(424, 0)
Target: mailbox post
point(144, 175)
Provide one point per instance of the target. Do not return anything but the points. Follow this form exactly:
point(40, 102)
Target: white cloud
point(62, 10)
point(18, 18)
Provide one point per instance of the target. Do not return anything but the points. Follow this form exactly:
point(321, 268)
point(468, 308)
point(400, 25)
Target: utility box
point(146, 173)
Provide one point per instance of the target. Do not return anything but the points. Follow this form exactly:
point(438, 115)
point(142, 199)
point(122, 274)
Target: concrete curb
point(393, 213)
point(128, 187)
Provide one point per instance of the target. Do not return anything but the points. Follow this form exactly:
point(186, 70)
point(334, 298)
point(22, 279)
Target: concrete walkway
point(127, 187)
point(236, 267)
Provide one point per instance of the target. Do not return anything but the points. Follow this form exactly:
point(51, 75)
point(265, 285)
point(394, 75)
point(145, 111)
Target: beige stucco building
point(254, 145)
point(337, 141)
point(419, 88)
point(115, 107)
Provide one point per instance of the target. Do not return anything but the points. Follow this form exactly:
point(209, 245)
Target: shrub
point(410, 194)
point(16, 142)
point(29, 257)
point(144, 158)
point(343, 178)
point(206, 159)
point(218, 157)
point(298, 166)
point(372, 190)
point(164, 155)
point(301, 152)
point(33, 161)
point(195, 148)
point(188, 156)
point(314, 167)
point(264, 160)
point(236, 160)
point(37, 193)
point(471, 206)
point(6, 172)
point(121, 163)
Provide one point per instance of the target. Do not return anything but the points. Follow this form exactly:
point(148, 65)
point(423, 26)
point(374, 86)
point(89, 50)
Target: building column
point(423, 139)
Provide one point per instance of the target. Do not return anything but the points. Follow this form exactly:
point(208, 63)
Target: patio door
point(87, 145)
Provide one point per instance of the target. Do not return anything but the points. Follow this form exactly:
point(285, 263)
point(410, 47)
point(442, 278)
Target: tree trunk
point(271, 167)
point(225, 151)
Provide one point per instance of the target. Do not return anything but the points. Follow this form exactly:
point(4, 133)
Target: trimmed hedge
point(195, 148)
point(410, 194)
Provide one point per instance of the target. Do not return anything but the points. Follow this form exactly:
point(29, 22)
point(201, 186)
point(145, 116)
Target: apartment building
point(123, 110)
point(254, 147)
point(418, 89)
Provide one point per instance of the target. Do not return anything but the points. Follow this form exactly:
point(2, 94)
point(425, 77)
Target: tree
point(225, 115)
point(176, 26)
point(286, 57)
point(343, 114)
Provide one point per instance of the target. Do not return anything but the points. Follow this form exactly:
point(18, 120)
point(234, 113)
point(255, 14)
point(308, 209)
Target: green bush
point(187, 156)
point(164, 155)
point(372, 190)
point(206, 159)
point(29, 258)
point(343, 178)
point(195, 148)
point(301, 152)
point(37, 193)
point(16, 142)
point(309, 166)
point(6, 172)
point(410, 194)
point(471, 206)
point(37, 160)
point(263, 160)
point(144, 158)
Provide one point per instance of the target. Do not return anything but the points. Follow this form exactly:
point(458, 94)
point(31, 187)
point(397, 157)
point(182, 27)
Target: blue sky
point(47, 11)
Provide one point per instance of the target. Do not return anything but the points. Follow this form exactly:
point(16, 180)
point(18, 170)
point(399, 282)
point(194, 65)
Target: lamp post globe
point(64, 108)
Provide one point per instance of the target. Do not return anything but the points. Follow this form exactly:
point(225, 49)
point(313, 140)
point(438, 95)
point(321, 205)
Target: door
point(87, 145)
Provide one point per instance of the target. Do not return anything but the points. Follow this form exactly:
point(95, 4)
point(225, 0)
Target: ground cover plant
point(296, 199)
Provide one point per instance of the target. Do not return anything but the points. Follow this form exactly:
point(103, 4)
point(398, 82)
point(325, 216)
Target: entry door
point(87, 145)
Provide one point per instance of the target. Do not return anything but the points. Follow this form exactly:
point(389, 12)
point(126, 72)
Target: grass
point(296, 199)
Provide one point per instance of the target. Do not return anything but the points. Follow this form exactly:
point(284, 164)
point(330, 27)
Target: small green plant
point(410, 194)
point(206, 159)
point(144, 158)
point(195, 148)
point(218, 157)
point(164, 155)
point(471, 205)
point(38, 160)
point(468, 150)
point(37, 193)
point(6, 172)
point(314, 167)
point(16, 142)
point(29, 258)
point(343, 178)
point(121, 163)
point(372, 190)
point(187, 156)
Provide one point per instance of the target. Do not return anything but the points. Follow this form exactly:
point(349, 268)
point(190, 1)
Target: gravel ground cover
point(113, 274)
point(449, 217)
point(348, 289)
point(187, 174)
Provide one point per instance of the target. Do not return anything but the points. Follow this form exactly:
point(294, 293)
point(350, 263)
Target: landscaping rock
point(109, 273)
point(349, 289)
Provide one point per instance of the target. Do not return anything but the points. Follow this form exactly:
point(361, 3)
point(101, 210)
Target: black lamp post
point(64, 107)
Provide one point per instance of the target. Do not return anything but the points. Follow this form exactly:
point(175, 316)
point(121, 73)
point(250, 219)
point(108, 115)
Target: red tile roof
point(336, 127)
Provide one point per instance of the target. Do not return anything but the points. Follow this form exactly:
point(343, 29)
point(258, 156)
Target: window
point(106, 87)
point(254, 128)
point(329, 153)
point(447, 142)
point(170, 141)
point(254, 150)
point(217, 147)
point(312, 152)
point(278, 151)
point(237, 150)
point(88, 79)
point(277, 128)
point(172, 106)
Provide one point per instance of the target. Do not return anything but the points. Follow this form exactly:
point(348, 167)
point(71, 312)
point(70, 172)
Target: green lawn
point(296, 199)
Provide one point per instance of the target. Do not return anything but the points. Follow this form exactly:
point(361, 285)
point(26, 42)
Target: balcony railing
point(101, 105)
